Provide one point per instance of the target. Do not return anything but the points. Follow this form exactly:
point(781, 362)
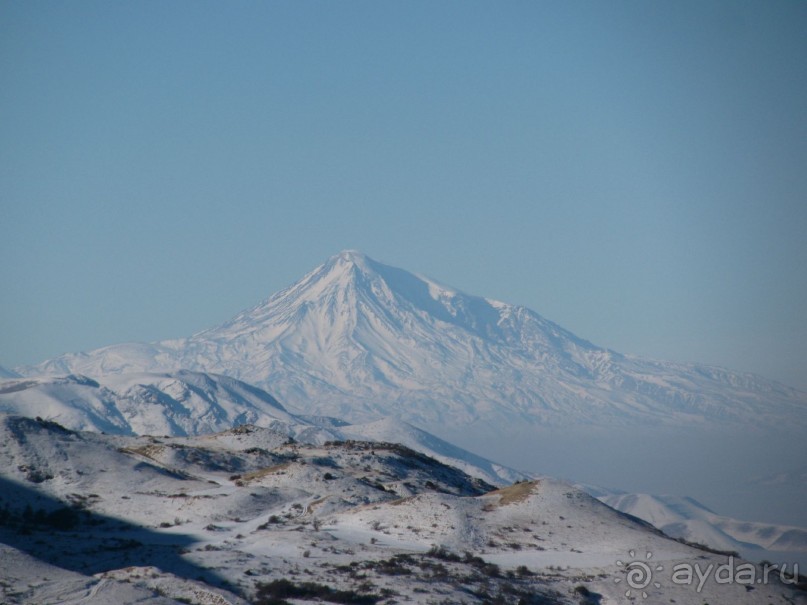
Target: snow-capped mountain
point(358, 339)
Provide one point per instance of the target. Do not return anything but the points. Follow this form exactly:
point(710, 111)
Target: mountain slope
point(193, 403)
point(397, 431)
point(215, 519)
point(681, 517)
point(359, 340)
point(177, 403)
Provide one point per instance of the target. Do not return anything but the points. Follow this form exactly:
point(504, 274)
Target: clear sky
point(635, 171)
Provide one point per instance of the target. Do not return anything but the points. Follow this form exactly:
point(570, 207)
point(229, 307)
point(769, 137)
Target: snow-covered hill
point(247, 516)
point(361, 340)
point(176, 403)
point(193, 403)
point(686, 518)
point(397, 431)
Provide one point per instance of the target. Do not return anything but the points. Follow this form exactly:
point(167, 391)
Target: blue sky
point(634, 171)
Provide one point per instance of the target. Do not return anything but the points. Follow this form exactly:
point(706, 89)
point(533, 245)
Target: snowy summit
point(359, 339)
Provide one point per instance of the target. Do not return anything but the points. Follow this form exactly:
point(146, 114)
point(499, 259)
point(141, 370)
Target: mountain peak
point(344, 267)
point(360, 339)
point(352, 256)
point(348, 258)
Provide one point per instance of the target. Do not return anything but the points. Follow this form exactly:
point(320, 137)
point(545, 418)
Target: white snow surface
point(171, 519)
point(361, 340)
point(175, 403)
point(194, 403)
point(683, 517)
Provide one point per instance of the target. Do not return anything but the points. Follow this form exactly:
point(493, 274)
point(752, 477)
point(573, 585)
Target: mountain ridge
point(91, 518)
point(186, 403)
point(359, 339)
point(688, 519)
